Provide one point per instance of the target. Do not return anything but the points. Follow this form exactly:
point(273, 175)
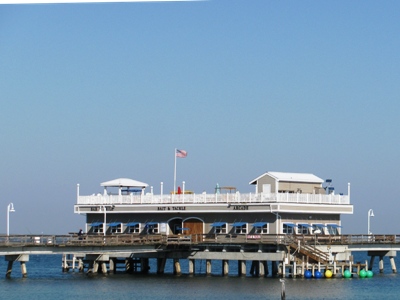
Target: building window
point(220, 229)
point(319, 227)
point(332, 229)
point(262, 229)
point(98, 229)
point(303, 229)
point(116, 227)
point(152, 228)
point(241, 229)
point(288, 228)
point(134, 228)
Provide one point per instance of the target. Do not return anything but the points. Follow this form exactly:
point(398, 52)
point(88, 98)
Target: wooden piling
point(241, 267)
point(104, 268)
point(161, 265)
point(191, 266)
point(225, 267)
point(393, 264)
point(208, 266)
point(95, 267)
point(177, 267)
point(371, 263)
point(380, 264)
point(23, 269)
point(112, 266)
point(274, 268)
point(9, 269)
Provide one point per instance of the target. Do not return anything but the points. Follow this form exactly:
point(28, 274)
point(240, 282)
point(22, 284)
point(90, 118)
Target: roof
point(124, 182)
point(290, 177)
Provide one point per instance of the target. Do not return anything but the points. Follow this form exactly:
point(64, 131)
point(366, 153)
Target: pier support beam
point(371, 263)
point(254, 269)
point(208, 266)
point(177, 267)
point(391, 254)
point(23, 269)
point(393, 264)
point(225, 267)
point(161, 265)
point(145, 266)
point(192, 266)
point(261, 268)
point(129, 265)
point(274, 268)
point(22, 258)
point(95, 260)
point(380, 264)
point(242, 268)
point(112, 266)
point(65, 266)
point(9, 269)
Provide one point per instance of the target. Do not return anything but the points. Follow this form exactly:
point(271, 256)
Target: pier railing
point(14, 241)
point(101, 199)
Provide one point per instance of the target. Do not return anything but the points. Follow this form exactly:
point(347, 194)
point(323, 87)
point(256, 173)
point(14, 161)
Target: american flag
point(181, 153)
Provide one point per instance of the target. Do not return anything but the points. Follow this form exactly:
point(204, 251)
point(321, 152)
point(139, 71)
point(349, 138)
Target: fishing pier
point(275, 255)
point(289, 226)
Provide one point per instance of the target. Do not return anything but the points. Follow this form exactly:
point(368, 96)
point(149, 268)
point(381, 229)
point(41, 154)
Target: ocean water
point(47, 281)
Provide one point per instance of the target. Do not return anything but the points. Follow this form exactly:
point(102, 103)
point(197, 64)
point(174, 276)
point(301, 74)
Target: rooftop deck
point(101, 199)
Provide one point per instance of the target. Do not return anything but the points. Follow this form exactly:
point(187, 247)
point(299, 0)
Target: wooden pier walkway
point(288, 254)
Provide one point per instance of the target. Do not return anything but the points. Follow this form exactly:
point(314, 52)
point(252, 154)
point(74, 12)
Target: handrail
point(238, 198)
point(160, 239)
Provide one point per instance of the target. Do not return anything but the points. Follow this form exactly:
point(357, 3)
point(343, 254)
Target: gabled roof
point(124, 182)
point(290, 177)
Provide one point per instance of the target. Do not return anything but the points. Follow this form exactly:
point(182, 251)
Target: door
point(194, 227)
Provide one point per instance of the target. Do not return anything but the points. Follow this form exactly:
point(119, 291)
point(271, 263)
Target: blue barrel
point(317, 274)
point(307, 274)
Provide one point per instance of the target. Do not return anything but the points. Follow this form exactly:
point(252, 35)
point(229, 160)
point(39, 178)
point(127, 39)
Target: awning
point(124, 182)
point(290, 225)
point(218, 224)
point(305, 225)
point(151, 223)
point(115, 224)
point(131, 224)
point(319, 225)
point(96, 224)
point(239, 224)
point(260, 224)
point(334, 226)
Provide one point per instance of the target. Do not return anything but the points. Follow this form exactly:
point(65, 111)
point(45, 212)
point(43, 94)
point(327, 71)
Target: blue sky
point(93, 92)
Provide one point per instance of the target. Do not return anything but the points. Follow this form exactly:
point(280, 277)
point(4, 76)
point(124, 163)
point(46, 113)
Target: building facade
point(283, 203)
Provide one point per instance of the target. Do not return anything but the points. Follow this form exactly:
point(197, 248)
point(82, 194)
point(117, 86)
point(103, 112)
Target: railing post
point(77, 193)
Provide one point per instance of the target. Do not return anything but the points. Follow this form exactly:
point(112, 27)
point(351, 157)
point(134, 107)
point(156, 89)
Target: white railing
point(214, 198)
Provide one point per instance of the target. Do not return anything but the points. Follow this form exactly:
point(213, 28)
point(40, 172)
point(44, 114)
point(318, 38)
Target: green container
point(347, 274)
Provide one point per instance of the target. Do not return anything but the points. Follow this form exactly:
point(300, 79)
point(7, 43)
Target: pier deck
point(290, 251)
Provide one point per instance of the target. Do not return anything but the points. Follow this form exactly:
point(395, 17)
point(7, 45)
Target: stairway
point(313, 254)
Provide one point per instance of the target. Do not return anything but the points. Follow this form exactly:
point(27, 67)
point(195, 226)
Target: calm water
point(45, 281)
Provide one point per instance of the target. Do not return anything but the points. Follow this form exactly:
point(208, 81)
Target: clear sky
point(94, 92)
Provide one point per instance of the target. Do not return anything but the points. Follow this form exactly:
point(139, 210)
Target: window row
point(240, 228)
point(118, 227)
point(291, 228)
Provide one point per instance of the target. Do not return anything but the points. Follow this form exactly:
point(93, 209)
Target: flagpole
point(174, 175)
